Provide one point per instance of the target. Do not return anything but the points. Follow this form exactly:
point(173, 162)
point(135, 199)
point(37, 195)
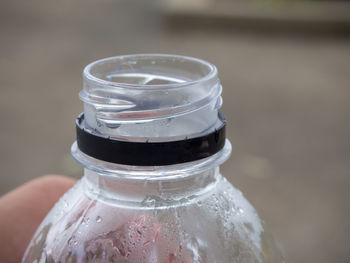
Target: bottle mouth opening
point(122, 94)
point(149, 71)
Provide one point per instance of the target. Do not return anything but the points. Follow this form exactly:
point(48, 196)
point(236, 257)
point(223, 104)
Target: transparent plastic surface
point(185, 213)
point(151, 97)
point(193, 218)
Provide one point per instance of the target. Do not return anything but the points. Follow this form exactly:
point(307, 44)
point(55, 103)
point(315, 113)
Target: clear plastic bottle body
point(184, 212)
point(106, 219)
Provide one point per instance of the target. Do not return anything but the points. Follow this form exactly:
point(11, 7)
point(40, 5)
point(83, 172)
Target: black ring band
point(149, 153)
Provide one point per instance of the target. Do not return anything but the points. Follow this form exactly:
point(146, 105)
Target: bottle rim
point(88, 75)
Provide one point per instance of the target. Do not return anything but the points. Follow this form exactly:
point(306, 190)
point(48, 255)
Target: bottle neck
point(151, 97)
point(149, 192)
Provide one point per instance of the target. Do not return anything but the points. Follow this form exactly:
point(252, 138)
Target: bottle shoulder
point(218, 226)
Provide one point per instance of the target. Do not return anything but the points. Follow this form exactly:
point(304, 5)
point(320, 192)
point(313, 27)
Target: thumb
point(23, 209)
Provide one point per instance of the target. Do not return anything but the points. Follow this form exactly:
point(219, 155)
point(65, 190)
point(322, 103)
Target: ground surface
point(287, 101)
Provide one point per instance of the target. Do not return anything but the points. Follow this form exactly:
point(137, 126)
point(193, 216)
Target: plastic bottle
point(151, 140)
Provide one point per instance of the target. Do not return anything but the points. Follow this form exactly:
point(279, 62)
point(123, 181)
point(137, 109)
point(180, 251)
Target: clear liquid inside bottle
point(183, 212)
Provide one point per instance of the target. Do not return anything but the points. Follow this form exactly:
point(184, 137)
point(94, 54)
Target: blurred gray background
point(285, 70)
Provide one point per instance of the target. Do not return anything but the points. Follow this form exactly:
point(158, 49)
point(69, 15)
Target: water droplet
point(98, 219)
point(85, 221)
point(240, 210)
point(71, 241)
point(216, 209)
